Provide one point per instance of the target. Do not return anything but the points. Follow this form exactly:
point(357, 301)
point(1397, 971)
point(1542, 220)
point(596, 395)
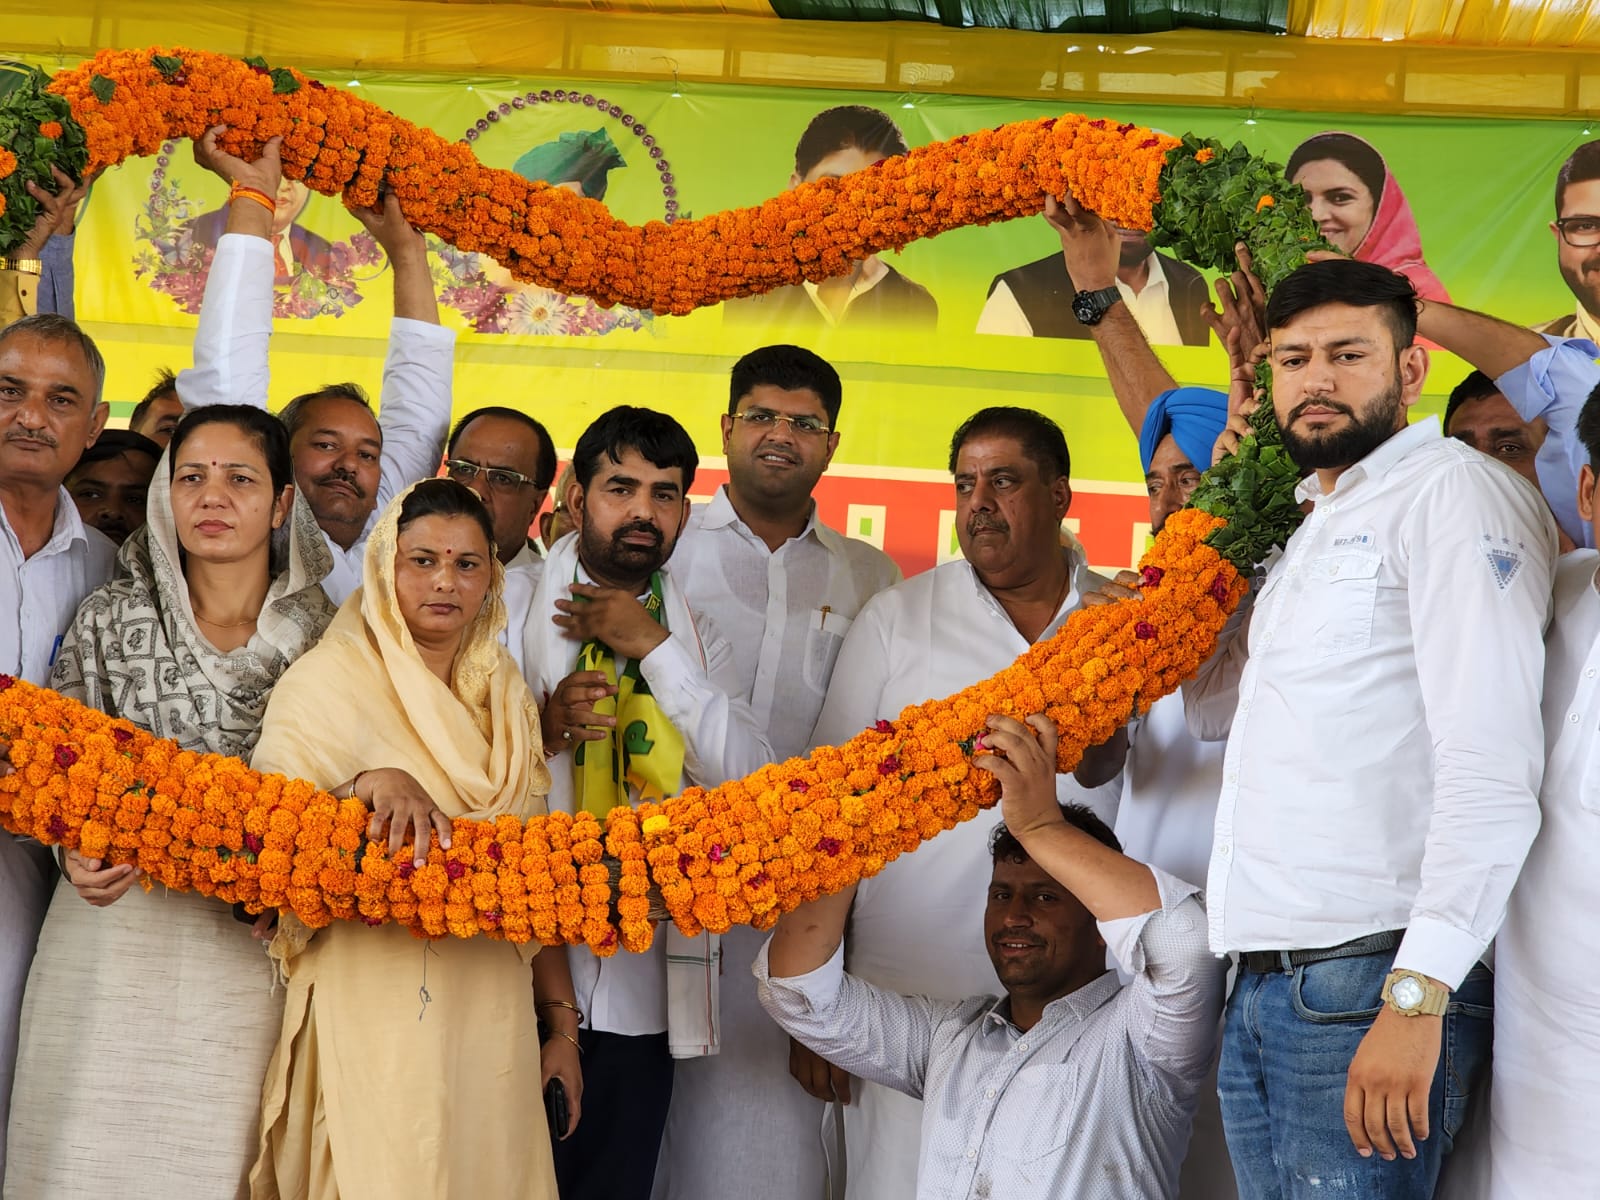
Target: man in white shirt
point(1547, 957)
point(1379, 785)
point(637, 698)
point(347, 463)
point(51, 379)
point(783, 588)
point(1071, 1085)
point(932, 635)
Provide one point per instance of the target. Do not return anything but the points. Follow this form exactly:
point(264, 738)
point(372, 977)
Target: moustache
point(979, 522)
point(1003, 936)
point(39, 437)
point(1318, 402)
point(637, 527)
point(347, 478)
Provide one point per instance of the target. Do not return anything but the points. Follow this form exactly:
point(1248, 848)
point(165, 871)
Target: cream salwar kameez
point(405, 1068)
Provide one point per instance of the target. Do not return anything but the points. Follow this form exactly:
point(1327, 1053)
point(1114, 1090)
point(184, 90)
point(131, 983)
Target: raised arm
point(414, 409)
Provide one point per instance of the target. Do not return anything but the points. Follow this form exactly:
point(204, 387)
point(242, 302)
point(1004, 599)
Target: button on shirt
point(785, 612)
point(230, 367)
point(1386, 751)
point(40, 594)
point(1547, 957)
point(1094, 1102)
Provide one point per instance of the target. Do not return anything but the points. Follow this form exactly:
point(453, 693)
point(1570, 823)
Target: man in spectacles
point(507, 457)
point(1577, 233)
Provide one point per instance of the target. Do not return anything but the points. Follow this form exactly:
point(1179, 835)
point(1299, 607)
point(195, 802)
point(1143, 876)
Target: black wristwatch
point(1090, 307)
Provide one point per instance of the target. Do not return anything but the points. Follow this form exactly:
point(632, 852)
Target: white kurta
point(39, 596)
point(785, 614)
point(917, 927)
point(1547, 957)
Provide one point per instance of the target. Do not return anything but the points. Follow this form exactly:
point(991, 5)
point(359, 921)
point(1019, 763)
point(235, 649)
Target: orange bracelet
point(256, 194)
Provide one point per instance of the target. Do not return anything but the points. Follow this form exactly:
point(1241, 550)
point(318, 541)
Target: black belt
point(1265, 962)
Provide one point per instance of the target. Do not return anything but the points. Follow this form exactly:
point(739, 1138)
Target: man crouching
point(1071, 1084)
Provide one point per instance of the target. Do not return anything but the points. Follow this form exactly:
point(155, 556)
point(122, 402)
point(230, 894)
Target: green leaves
point(1207, 207)
point(168, 64)
point(103, 88)
point(283, 81)
point(23, 111)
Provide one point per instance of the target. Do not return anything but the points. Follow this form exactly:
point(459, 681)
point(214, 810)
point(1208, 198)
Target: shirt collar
point(1376, 465)
point(1155, 279)
point(720, 514)
point(1075, 565)
point(67, 528)
point(1077, 1006)
point(873, 273)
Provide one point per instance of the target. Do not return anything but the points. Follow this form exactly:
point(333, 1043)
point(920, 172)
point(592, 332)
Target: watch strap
point(1435, 998)
point(28, 266)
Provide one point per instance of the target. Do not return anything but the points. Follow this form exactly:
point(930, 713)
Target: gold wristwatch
point(28, 266)
point(1414, 995)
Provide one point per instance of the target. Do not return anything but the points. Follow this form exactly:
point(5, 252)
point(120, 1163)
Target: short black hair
point(445, 498)
point(1040, 437)
point(293, 414)
point(656, 436)
point(847, 127)
point(166, 384)
point(265, 430)
point(544, 470)
point(113, 443)
point(1582, 166)
point(1589, 428)
point(1355, 155)
point(1346, 281)
point(1003, 845)
point(51, 327)
point(1476, 386)
point(791, 368)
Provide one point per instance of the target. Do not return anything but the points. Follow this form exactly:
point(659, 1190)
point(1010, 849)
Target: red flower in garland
point(58, 827)
point(1144, 630)
point(122, 736)
point(405, 869)
point(252, 843)
point(495, 852)
point(65, 756)
point(889, 766)
point(884, 727)
point(798, 785)
point(1219, 590)
point(455, 869)
point(1150, 576)
point(830, 846)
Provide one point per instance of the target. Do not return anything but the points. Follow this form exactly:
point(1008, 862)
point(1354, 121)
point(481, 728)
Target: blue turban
point(1193, 416)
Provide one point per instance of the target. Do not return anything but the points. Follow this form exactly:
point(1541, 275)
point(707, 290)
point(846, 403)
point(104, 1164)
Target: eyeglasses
point(1580, 232)
point(501, 479)
point(765, 418)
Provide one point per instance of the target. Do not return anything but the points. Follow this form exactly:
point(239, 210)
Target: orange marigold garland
point(740, 853)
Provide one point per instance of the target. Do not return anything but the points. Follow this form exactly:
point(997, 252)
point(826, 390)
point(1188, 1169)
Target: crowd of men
point(1298, 864)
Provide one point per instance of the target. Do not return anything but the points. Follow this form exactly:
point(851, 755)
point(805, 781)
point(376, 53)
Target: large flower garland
point(737, 854)
point(128, 102)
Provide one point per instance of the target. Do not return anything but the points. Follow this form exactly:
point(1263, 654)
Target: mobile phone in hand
point(555, 1108)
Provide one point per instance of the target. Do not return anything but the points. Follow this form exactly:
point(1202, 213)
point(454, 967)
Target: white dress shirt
point(1170, 785)
point(1094, 1102)
point(1151, 309)
point(230, 367)
point(1547, 957)
point(785, 612)
point(691, 678)
point(1384, 761)
point(916, 926)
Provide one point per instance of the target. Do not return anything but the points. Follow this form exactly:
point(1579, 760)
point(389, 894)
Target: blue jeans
point(1286, 1049)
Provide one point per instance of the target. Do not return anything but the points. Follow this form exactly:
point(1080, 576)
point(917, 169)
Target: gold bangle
point(27, 266)
point(559, 1004)
point(569, 1037)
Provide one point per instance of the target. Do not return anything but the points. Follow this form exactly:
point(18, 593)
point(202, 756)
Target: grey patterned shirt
point(1094, 1102)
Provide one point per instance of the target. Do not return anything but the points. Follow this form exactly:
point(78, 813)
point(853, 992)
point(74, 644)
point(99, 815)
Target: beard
point(607, 556)
point(1584, 286)
point(1348, 444)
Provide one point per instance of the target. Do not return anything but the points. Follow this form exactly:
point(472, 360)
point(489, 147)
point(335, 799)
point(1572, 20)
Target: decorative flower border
point(741, 853)
point(129, 102)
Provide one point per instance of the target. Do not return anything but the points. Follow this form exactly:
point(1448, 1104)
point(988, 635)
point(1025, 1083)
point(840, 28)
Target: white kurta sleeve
point(414, 410)
point(230, 344)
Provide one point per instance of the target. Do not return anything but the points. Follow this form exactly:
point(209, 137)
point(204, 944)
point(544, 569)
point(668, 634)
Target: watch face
point(1407, 993)
point(1085, 310)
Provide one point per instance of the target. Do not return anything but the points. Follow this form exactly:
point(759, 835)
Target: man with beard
point(1152, 293)
point(784, 588)
point(638, 698)
point(348, 463)
point(1381, 772)
point(51, 378)
point(1576, 230)
point(1070, 1085)
point(932, 635)
point(110, 482)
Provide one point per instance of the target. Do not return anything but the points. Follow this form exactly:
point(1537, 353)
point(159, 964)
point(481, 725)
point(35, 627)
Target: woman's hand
point(99, 887)
point(398, 801)
point(558, 1059)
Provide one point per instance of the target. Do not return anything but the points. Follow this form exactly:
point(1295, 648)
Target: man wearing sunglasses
point(507, 457)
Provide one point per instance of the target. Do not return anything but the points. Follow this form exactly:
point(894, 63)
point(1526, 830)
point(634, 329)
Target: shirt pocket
point(1031, 1126)
point(1338, 603)
point(824, 635)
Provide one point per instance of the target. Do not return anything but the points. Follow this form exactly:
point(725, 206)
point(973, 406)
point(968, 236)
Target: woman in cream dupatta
point(148, 1020)
point(408, 1068)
